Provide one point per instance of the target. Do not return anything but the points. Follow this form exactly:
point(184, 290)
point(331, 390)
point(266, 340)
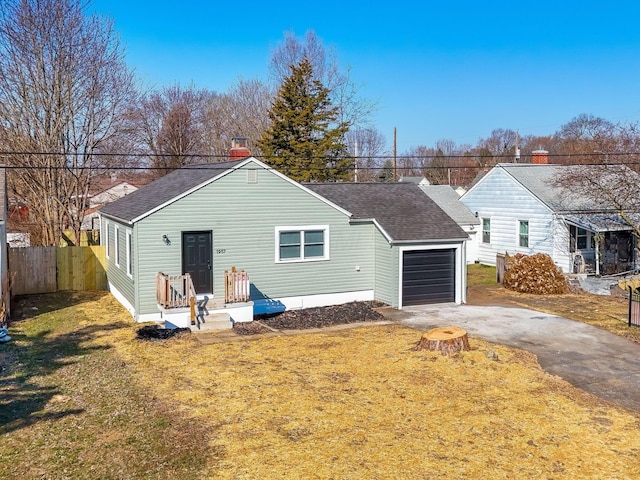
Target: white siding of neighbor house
point(111, 194)
point(505, 202)
point(472, 245)
point(561, 255)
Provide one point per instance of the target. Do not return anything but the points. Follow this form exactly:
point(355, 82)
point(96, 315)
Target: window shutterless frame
point(486, 230)
point(523, 233)
point(308, 243)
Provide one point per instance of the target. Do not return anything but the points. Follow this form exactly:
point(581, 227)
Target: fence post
point(630, 304)
point(500, 267)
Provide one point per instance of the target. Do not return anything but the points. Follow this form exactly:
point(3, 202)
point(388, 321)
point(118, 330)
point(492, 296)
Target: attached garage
point(419, 254)
point(428, 276)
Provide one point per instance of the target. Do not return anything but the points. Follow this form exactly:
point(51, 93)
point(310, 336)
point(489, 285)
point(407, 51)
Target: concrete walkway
point(589, 358)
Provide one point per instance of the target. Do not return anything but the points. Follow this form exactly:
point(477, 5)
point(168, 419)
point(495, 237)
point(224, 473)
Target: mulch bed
point(155, 332)
point(317, 317)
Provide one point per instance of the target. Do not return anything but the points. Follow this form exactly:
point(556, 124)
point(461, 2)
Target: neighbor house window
point(523, 233)
point(486, 230)
point(116, 245)
point(581, 239)
point(578, 238)
point(129, 253)
point(296, 244)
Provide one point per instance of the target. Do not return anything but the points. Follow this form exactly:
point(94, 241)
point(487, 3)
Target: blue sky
point(438, 70)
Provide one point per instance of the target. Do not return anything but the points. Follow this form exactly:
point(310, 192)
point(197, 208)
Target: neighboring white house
point(417, 180)
point(18, 239)
point(448, 200)
point(91, 220)
point(523, 210)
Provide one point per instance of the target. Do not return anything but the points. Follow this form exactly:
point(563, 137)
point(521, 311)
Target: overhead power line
point(387, 156)
point(620, 156)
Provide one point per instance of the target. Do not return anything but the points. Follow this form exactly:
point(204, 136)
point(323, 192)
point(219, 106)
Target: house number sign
point(221, 251)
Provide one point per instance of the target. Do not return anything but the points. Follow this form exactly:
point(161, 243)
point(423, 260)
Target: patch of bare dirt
point(317, 317)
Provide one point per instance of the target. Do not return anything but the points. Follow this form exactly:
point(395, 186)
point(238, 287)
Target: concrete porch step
point(214, 321)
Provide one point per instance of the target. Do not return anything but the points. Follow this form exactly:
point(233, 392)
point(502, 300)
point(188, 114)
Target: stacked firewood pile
point(535, 274)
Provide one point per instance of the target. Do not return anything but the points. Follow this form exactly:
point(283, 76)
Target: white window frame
point(488, 232)
point(302, 229)
point(116, 245)
point(520, 234)
point(129, 245)
point(106, 244)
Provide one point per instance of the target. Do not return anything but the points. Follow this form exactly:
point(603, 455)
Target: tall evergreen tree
point(303, 141)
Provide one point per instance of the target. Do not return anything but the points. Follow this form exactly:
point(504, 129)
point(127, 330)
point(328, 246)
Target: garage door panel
point(428, 276)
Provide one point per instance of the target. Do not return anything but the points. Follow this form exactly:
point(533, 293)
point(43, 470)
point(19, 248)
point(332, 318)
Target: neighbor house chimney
point(239, 148)
point(540, 157)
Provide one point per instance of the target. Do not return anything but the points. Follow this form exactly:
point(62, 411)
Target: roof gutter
point(439, 241)
point(117, 219)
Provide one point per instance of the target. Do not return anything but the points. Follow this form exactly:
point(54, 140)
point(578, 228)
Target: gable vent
point(252, 175)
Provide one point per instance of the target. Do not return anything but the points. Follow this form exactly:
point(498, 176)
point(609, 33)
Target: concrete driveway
point(589, 358)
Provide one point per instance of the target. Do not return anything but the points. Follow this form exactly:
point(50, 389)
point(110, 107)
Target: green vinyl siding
point(386, 270)
point(243, 218)
point(117, 274)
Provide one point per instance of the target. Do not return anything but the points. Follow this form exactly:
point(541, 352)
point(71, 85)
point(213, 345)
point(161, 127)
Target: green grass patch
point(478, 274)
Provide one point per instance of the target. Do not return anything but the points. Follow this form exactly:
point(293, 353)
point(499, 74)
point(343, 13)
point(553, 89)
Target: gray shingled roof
point(164, 189)
point(401, 209)
point(449, 201)
point(540, 180)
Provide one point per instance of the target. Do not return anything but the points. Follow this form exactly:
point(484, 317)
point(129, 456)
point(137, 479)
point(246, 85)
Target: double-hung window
point(107, 246)
point(523, 233)
point(486, 230)
point(578, 238)
point(116, 245)
point(302, 244)
point(129, 253)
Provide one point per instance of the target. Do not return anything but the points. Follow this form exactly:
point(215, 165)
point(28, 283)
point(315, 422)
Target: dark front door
point(428, 276)
point(197, 258)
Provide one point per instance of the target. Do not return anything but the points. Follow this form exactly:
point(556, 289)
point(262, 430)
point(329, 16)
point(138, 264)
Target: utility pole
point(395, 162)
point(355, 176)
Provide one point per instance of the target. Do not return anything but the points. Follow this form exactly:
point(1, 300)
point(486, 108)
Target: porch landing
point(208, 316)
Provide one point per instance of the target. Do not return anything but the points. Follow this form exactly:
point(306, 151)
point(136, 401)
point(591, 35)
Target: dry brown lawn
point(352, 404)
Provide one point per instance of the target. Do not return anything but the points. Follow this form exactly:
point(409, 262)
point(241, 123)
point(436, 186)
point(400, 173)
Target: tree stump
point(449, 340)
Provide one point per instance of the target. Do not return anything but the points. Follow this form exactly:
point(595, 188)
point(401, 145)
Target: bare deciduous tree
point(501, 144)
point(584, 138)
point(367, 146)
point(171, 126)
point(613, 187)
point(64, 88)
point(243, 111)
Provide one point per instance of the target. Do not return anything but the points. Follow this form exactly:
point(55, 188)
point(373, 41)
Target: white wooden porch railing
point(236, 286)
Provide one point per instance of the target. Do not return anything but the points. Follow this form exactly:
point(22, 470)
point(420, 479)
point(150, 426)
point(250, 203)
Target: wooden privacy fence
point(51, 269)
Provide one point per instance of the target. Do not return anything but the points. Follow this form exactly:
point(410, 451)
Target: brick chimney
point(540, 157)
point(239, 148)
